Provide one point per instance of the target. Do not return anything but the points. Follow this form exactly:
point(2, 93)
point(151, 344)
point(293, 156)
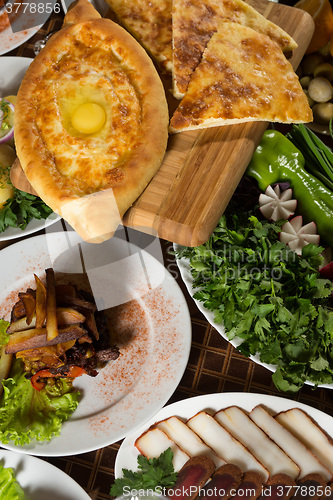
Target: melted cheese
point(88, 161)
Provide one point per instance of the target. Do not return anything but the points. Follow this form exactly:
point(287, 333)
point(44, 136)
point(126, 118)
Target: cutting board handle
point(19, 180)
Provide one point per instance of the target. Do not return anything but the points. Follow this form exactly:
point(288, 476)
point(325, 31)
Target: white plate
point(151, 322)
point(185, 273)
point(33, 226)
point(10, 40)
point(127, 454)
point(40, 480)
point(12, 70)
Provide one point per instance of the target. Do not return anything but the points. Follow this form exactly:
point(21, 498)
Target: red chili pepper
point(73, 372)
point(35, 379)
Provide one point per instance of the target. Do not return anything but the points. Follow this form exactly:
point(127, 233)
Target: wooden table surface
point(213, 366)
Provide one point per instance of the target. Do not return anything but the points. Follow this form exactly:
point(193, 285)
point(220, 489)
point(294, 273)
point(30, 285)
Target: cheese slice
point(243, 76)
point(195, 21)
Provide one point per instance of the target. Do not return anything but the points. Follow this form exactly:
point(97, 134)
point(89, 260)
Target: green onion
point(318, 156)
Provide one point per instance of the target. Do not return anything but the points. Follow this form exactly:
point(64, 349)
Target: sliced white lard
point(187, 439)
point(311, 435)
point(153, 442)
point(307, 462)
point(224, 444)
point(239, 424)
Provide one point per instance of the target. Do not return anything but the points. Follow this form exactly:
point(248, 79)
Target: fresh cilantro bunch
point(20, 209)
point(268, 297)
point(152, 473)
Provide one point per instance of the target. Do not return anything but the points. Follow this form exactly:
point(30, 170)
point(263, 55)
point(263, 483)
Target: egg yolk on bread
point(88, 118)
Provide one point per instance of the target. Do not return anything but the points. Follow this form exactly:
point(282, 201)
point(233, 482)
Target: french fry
point(40, 302)
point(65, 316)
point(30, 339)
point(69, 316)
point(29, 303)
point(21, 324)
point(51, 306)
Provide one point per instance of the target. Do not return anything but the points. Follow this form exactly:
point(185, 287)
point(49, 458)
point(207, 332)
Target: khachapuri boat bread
point(91, 122)
point(243, 76)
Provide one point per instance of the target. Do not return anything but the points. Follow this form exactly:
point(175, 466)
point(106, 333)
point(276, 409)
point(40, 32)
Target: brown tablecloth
point(214, 365)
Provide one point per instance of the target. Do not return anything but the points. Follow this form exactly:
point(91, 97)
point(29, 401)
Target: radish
point(275, 205)
point(294, 234)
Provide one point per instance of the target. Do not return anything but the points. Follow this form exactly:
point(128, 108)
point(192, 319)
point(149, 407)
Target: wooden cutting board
point(201, 169)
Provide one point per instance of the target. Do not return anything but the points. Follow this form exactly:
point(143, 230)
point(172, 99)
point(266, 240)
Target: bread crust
point(150, 22)
point(91, 194)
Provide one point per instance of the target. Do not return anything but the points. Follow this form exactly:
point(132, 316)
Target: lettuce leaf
point(27, 414)
point(9, 487)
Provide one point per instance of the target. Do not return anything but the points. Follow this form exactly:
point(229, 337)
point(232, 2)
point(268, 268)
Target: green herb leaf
point(152, 473)
point(19, 210)
point(267, 296)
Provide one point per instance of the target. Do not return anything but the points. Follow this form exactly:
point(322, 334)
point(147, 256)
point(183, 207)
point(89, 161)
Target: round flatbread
point(243, 76)
point(91, 122)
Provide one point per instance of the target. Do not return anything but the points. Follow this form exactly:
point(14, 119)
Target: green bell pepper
point(276, 159)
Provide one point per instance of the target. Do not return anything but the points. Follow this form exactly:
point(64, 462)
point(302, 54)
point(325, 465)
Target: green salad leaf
point(27, 414)
point(20, 209)
point(267, 296)
point(152, 473)
point(9, 487)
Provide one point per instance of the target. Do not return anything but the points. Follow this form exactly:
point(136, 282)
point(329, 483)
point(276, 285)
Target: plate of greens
point(21, 213)
point(33, 226)
point(148, 320)
point(269, 303)
point(24, 477)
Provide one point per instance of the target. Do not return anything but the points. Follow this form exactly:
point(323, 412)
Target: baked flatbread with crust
point(150, 21)
point(91, 177)
point(243, 76)
point(195, 21)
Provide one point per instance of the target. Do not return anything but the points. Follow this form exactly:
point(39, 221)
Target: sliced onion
point(7, 137)
point(10, 133)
